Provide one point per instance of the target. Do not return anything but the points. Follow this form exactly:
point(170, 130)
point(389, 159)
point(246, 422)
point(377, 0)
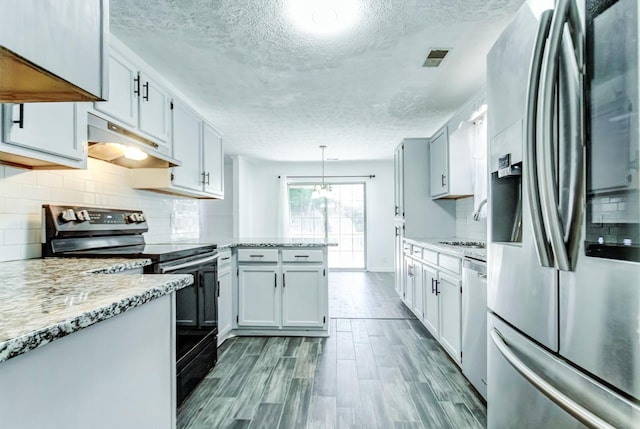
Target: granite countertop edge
point(480, 254)
point(21, 344)
point(234, 244)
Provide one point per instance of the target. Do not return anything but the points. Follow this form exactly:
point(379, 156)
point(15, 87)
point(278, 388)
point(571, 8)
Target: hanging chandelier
point(322, 190)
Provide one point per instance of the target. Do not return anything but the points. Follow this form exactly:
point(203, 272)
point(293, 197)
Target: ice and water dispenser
point(506, 186)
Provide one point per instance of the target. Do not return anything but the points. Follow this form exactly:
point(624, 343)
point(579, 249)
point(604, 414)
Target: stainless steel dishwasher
point(474, 323)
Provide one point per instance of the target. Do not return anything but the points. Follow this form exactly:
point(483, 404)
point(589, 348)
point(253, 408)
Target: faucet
point(476, 214)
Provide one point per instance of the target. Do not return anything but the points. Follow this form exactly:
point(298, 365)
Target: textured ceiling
point(277, 92)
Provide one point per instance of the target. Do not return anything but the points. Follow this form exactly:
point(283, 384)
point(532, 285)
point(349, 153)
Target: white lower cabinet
point(450, 295)
point(43, 135)
point(302, 289)
point(433, 292)
point(258, 296)
point(418, 290)
point(282, 290)
point(431, 300)
point(225, 296)
point(409, 269)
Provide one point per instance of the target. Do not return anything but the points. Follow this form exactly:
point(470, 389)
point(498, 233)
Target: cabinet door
point(154, 110)
point(302, 297)
point(258, 296)
point(398, 159)
point(450, 311)
point(187, 301)
point(187, 127)
point(418, 288)
point(408, 281)
point(49, 128)
point(225, 309)
point(439, 164)
point(124, 88)
point(208, 298)
point(431, 300)
point(213, 161)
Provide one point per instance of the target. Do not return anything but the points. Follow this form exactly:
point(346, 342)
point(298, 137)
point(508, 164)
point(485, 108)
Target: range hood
point(112, 143)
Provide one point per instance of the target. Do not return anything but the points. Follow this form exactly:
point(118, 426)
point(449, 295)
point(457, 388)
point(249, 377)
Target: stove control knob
point(68, 215)
point(141, 217)
point(83, 215)
point(132, 218)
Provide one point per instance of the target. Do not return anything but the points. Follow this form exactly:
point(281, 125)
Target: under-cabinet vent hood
point(112, 143)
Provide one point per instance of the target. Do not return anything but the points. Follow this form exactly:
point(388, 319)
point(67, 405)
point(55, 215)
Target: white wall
point(22, 193)
point(258, 210)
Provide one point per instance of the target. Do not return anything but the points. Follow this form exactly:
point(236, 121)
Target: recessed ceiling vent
point(435, 57)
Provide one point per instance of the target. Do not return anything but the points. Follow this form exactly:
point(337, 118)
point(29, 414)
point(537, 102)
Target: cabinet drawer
point(302, 255)
point(430, 256)
point(406, 248)
point(450, 263)
point(257, 255)
point(417, 252)
point(224, 259)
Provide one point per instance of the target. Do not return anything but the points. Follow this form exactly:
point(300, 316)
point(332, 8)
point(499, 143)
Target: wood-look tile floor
point(379, 368)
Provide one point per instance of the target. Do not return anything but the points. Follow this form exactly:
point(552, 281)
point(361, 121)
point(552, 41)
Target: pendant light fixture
point(321, 191)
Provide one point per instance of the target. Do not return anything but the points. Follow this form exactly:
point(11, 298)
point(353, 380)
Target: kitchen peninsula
point(91, 374)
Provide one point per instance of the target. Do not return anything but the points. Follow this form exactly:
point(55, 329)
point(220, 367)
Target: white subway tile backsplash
point(466, 227)
point(50, 180)
point(22, 193)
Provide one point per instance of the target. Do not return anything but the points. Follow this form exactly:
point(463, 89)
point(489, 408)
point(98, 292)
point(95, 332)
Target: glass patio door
point(339, 217)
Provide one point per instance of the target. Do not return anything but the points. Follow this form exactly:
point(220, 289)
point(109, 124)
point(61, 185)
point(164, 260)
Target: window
point(339, 217)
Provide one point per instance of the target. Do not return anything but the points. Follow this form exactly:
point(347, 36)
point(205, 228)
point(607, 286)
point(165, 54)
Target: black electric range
point(92, 232)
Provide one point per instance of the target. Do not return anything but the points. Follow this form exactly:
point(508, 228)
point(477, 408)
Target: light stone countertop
point(45, 299)
point(471, 252)
point(228, 243)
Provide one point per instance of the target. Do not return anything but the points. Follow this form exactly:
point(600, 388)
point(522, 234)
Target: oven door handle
point(171, 268)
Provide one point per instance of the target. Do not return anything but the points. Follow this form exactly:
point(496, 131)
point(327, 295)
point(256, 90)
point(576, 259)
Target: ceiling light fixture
point(323, 16)
point(323, 190)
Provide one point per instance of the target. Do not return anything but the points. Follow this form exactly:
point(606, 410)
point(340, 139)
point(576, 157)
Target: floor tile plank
point(322, 412)
point(296, 406)
point(267, 416)
point(276, 389)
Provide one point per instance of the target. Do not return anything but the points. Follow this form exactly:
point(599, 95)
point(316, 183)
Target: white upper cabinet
point(450, 165)
point(187, 128)
point(124, 86)
point(136, 101)
point(199, 147)
point(44, 135)
point(213, 161)
point(154, 102)
point(64, 44)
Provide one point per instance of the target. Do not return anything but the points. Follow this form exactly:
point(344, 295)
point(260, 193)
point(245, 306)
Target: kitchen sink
point(470, 244)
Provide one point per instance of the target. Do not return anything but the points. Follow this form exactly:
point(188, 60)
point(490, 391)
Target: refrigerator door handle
point(576, 410)
point(564, 14)
point(539, 237)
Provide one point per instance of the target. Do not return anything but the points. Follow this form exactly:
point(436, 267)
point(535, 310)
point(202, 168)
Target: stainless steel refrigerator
point(564, 217)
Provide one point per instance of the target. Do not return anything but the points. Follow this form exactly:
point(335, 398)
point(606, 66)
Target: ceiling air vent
point(435, 57)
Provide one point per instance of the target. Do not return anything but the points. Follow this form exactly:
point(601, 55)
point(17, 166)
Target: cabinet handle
point(482, 276)
point(207, 178)
point(203, 176)
point(437, 291)
point(397, 231)
point(20, 120)
point(225, 258)
point(256, 256)
point(275, 280)
point(443, 181)
point(301, 256)
point(136, 87)
point(283, 282)
point(145, 96)
point(397, 210)
point(432, 286)
point(218, 289)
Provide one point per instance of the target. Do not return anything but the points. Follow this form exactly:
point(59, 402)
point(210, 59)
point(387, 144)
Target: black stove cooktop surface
point(155, 252)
